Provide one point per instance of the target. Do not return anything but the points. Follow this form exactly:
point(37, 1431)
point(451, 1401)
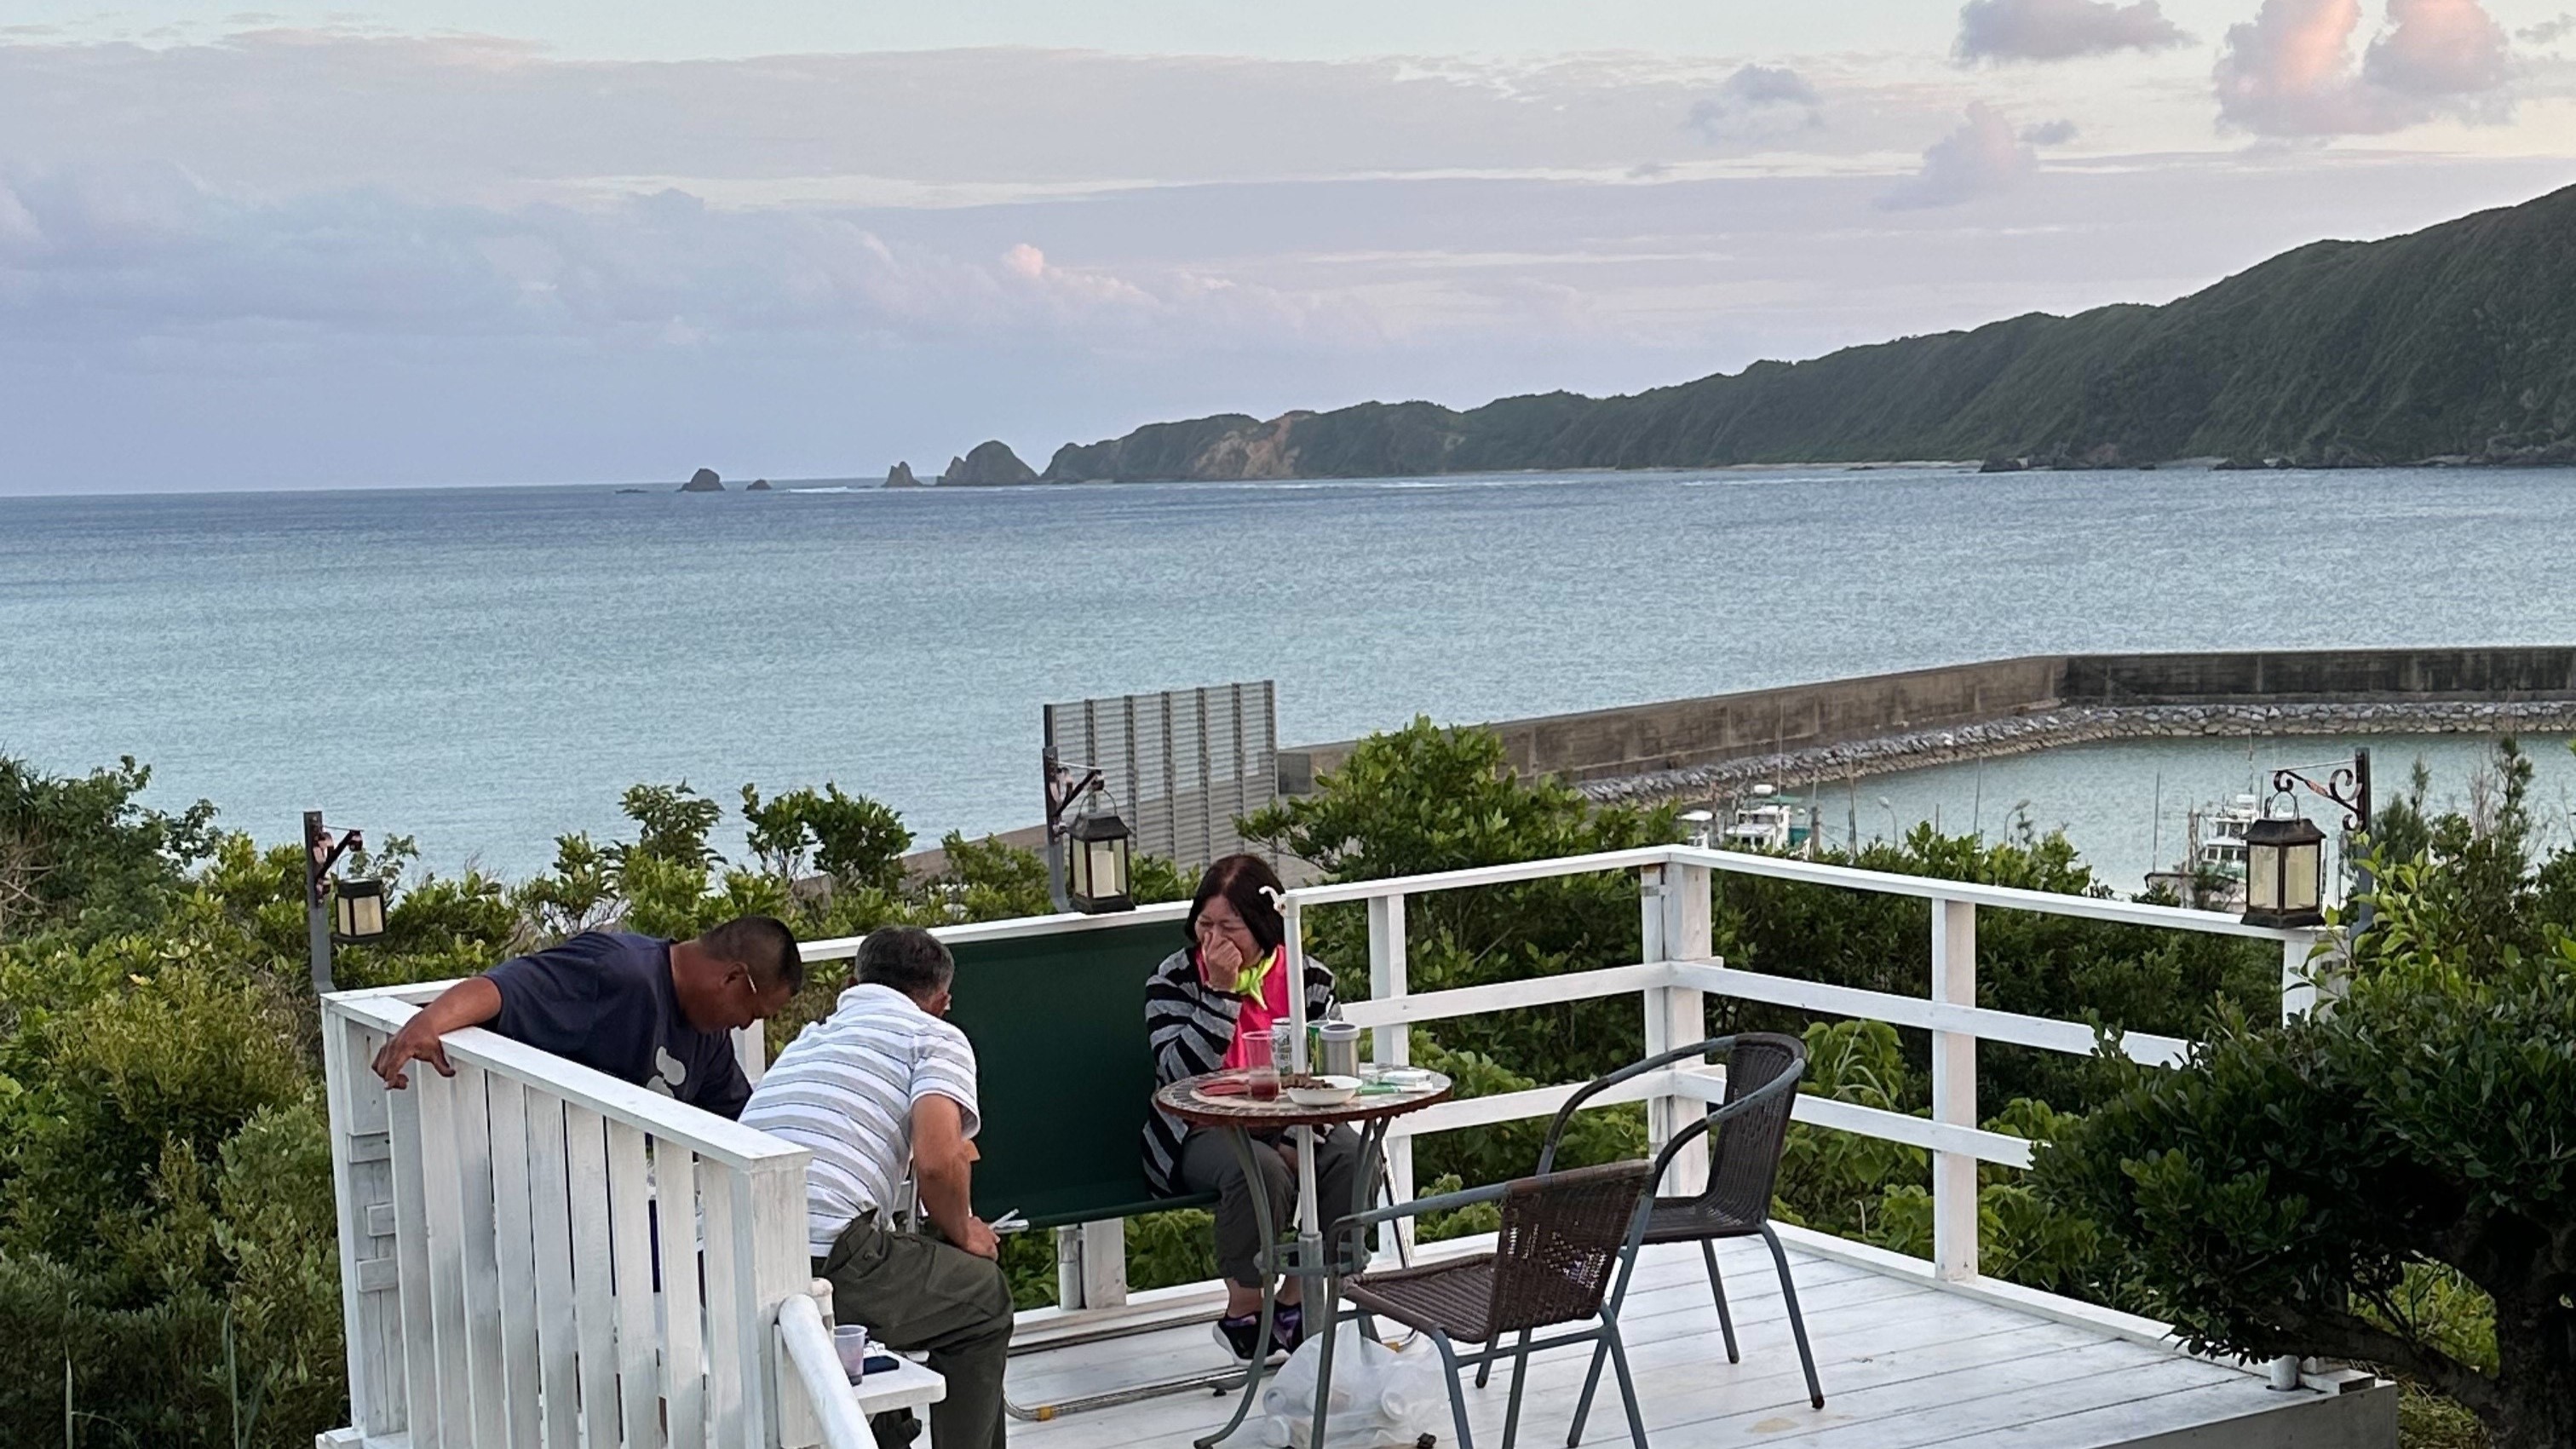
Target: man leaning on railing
point(881, 1090)
point(657, 1013)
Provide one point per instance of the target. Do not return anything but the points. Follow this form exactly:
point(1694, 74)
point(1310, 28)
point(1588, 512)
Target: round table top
point(1182, 1100)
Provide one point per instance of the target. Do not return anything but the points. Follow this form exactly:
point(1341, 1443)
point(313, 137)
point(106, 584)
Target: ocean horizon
point(486, 667)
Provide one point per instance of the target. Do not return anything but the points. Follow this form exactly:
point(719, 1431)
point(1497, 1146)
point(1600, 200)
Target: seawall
point(1907, 720)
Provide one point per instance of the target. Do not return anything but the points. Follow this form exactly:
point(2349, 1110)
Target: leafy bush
point(2350, 1184)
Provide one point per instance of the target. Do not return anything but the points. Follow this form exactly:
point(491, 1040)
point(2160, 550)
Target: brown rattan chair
point(1562, 1235)
point(1748, 1130)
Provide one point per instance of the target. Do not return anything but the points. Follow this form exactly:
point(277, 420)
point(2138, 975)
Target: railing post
point(2298, 988)
point(1954, 1091)
point(1673, 912)
point(772, 1217)
point(2298, 998)
point(362, 1173)
point(1391, 1046)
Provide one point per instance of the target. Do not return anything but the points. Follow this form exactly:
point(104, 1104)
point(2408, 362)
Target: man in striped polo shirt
point(881, 1090)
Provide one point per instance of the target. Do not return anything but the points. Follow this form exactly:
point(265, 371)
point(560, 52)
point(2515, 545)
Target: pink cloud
point(2290, 71)
point(2439, 48)
point(1983, 156)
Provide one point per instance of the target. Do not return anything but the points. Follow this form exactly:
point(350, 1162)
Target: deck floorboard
point(1904, 1365)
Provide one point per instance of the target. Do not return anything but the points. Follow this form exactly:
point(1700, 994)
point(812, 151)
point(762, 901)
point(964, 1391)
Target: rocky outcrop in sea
point(992, 464)
point(703, 481)
point(900, 476)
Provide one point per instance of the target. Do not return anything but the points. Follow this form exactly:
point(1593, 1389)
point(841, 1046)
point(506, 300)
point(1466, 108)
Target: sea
point(485, 669)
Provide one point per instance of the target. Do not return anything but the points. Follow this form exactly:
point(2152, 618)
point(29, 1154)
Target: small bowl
point(1325, 1092)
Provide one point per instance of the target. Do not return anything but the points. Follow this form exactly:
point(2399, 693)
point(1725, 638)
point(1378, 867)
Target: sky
point(485, 243)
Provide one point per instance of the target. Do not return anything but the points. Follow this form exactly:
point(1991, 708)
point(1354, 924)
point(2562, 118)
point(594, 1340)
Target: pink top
point(1252, 1021)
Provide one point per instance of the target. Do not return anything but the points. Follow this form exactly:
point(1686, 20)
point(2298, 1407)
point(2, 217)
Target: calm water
point(485, 668)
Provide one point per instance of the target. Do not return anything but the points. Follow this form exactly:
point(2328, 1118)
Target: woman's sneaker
point(1288, 1329)
point(1239, 1334)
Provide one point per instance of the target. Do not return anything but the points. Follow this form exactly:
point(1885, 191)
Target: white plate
point(1327, 1092)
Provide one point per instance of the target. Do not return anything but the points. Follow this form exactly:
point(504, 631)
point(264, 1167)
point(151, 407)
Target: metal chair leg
point(1520, 1375)
point(1457, 1396)
point(1600, 1349)
point(1269, 1290)
point(1627, 1387)
point(1797, 1321)
point(1717, 1287)
point(1484, 1373)
point(1324, 1364)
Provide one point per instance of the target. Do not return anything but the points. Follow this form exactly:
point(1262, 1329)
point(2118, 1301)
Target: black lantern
point(1096, 867)
point(2285, 872)
point(357, 910)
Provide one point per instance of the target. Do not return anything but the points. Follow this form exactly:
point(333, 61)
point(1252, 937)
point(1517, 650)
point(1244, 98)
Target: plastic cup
point(850, 1341)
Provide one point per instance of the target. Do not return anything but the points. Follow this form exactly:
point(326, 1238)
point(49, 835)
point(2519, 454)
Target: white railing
point(487, 1221)
point(1676, 972)
point(541, 1254)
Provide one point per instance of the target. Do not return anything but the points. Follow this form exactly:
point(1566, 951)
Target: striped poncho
point(1189, 1025)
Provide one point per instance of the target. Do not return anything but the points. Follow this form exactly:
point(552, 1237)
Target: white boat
point(2211, 874)
point(1766, 821)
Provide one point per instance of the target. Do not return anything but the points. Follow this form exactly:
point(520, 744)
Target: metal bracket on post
point(1954, 1092)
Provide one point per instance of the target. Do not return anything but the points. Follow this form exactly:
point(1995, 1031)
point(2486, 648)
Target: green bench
point(1063, 1070)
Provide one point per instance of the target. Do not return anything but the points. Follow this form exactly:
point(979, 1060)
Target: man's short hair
point(907, 958)
point(762, 943)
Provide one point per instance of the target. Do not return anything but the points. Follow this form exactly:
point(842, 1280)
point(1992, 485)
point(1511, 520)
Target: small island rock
point(992, 464)
point(900, 476)
point(759, 485)
point(703, 481)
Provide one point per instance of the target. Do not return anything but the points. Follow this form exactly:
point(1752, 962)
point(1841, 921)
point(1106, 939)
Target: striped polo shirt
point(845, 1088)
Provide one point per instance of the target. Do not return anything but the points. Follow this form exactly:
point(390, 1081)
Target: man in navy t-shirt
point(656, 1013)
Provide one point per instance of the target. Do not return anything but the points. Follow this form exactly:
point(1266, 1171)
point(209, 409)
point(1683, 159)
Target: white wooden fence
point(1675, 973)
point(532, 1253)
point(487, 1222)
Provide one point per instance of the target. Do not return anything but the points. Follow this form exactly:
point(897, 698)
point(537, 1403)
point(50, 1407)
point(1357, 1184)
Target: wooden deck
point(1904, 1363)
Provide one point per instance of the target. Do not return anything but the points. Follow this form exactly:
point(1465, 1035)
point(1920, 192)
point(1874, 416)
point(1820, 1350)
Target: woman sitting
point(1209, 1006)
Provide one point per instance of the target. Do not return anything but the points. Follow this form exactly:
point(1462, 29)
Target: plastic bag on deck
point(1383, 1398)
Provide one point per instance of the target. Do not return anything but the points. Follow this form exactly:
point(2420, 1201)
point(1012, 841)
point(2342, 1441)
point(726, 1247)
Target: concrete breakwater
point(2005, 706)
point(1920, 749)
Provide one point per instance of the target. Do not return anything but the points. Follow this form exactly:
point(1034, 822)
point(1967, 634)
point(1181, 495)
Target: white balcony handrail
point(532, 1249)
point(807, 1347)
point(703, 1133)
point(562, 1165)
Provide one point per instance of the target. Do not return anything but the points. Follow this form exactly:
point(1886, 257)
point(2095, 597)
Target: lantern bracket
point(322, 850)
point(2346, 786)
point(1064, 786)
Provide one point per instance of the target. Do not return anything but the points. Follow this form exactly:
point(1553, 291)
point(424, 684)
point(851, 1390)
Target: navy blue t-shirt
point(604, 1000)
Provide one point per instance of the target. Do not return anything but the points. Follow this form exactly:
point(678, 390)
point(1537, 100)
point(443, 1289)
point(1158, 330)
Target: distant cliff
point(2456, 342)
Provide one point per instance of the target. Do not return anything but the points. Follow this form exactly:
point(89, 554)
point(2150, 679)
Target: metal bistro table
point(1240, 1117)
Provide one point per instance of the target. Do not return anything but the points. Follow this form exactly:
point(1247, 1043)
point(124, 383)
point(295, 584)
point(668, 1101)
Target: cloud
point(2050, 133)
point(2004, 30)
point(1758, 103)
point(2290, 71)
point(2439, 48)
point(120, 257)
point(1980, 158)
point(2550, 31)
